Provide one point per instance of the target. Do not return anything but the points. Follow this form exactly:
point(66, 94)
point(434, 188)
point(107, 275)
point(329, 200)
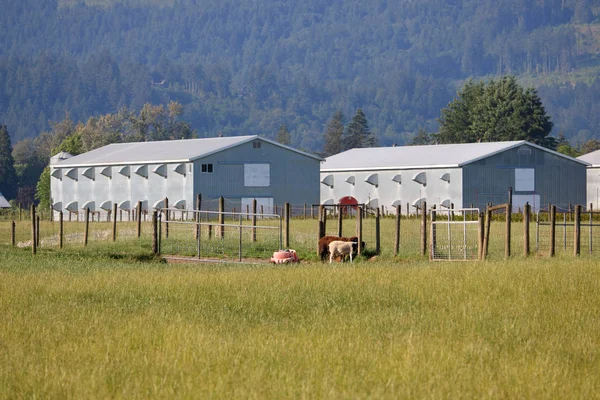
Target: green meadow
point(112, 321)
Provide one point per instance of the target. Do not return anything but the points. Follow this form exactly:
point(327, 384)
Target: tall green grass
point(114, 322)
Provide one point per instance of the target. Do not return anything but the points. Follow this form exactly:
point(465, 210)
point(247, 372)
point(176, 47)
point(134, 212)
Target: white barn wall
point(593, 187)
point(388, 192)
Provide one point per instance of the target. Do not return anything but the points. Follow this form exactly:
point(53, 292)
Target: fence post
point(13, 233)
point(154, 232)
point(359, 229)
point(286, 214)
point(114, 222)
point(552, 230)
point(377, 231)
point(486, 238)
point(423, 227)
point(33, 231)
point(37, 230)
point(166, 217)
point(526, 210)
point(221, 217)
point(340, 230)
point(253, 220)
point(138, 214)
point(60, 229)
point(304, 211)
point(481, 231)
point(86, 231)
point(322, 221)
point(397, 231)
point(577, 239)
point(433, 231)
point(198, 205)
point(508, 223)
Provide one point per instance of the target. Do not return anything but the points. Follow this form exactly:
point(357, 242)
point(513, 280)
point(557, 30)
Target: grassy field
point(113, 322)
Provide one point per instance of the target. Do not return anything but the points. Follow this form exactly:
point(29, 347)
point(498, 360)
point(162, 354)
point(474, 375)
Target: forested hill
point(248, 66)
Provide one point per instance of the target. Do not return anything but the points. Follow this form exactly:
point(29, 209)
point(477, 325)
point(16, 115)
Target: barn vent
point(142, 171)
point(107, 172)
point(57, 173)
point(106, 206)
point(397, 178)
point(327, 180)
point(373, 179)
point(72, 173)
point(161, 170)
point(351, 180)
point(125, 171)
point(445, 177)
point(180, 169)
point(421, 178)
point(89, 173)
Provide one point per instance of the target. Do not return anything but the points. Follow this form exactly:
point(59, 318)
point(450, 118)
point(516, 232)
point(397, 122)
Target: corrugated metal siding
point(557, 180)
point(294, 177)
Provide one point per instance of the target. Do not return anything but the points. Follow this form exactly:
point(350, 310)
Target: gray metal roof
point(421, 157)
point(3, 202)
point(592, 158)
point(166, 151)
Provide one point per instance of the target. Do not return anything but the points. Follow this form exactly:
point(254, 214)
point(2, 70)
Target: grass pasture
point(110, 321)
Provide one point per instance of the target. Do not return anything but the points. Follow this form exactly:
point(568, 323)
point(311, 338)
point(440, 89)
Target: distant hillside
point(247, 67)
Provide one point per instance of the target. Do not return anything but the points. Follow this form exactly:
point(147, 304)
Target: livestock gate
point(455, 234)
point(219, 235)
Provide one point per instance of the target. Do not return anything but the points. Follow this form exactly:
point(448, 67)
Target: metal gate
point(219, 236)
point(455, 234)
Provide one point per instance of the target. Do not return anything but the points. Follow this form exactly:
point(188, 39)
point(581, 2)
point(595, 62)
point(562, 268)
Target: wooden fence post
point(198, 219)
point(13, 233)
point(86, 231)
point(377, 231)
point(166, 213)
point(508, 223)
point(552, 230)
point(423, 228)
point(254, 220)
point(221, 217)
point(433, 231)
point(481, 233)
point(526, 211)
point(33, 231)
point(286, 214)
point(138, 214)
point(397, 231)
point(359, 229)
point(114, 222)
point(340, 230)
point(155, 232)
point(37, 231)
point(60, 229)
point(577, 233)
point(486, 238)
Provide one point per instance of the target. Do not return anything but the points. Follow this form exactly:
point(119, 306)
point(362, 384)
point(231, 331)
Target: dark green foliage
point(333, 135)
point(243, 67)
point(500, 110)
point(283, 136)
point(357, 133)
point(8, 177)
point(422, 138)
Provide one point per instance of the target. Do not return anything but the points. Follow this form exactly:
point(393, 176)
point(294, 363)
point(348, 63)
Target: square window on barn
point(208, 168)
point(257, 175)
point(524, 179)
point(256, 145)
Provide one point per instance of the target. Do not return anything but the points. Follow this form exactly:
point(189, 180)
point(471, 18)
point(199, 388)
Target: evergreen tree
point(8, 176)
point(421, 138)
point(500, 110)
point(334, 132)
point(358, 134)
point(283, 136)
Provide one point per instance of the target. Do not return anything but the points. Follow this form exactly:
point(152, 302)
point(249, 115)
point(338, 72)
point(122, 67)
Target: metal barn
point(239, 168)
point(593, 178)
point(453, 175)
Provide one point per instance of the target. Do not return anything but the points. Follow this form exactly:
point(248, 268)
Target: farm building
point(239, 168)
point(453, 175)
point(3, 202)
point(593, 178)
